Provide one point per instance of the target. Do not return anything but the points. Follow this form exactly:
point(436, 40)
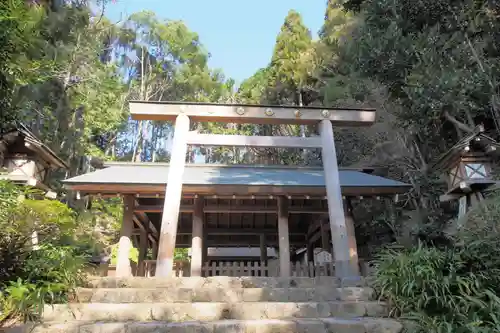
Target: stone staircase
point(220, 305)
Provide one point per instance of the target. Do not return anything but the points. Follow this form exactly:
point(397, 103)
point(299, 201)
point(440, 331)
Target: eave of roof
point(445, 158)
point(36, 145)
point(154, 174)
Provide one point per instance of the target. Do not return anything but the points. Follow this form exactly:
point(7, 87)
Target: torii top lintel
point(248, 113)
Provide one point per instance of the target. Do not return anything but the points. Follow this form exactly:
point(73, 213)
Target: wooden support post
point(335, 206)
point(351, 234)
point(263, 249)
point(123, 268)
point(197, 238)
point(204, 247)
point(310, 253)
point(143, 250)
point(325, 241)
point(284, 242)
point(173, 191)
point(154, 250)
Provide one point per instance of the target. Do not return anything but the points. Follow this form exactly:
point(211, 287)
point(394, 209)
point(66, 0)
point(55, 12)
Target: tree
point(289, 68)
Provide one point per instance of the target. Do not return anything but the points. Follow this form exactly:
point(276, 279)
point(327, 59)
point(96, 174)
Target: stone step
point(179, 312)
point(187, 295)
point(224, 282)
point(317, 325)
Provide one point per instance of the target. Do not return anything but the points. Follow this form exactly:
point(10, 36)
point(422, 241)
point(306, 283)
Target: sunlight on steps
point(219, 304)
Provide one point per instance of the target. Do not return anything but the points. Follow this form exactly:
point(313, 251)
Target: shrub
point(133, 254)
point(441, 290)
point(450, 289)
point(50, 275)
point(31, 276)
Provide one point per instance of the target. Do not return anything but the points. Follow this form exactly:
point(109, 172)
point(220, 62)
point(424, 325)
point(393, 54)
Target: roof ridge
point(242, 166)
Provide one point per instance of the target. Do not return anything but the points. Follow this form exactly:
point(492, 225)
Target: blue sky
point(240, 35)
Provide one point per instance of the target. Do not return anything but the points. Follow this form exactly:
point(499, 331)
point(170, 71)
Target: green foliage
point(133, 254)
point(289, 68)
point(34, 274)
point(181, 254)
point(449, 289)
point(17, 39)
point(49, 275)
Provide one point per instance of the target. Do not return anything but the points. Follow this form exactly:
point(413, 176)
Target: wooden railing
point(256, 268)
point(235, 269)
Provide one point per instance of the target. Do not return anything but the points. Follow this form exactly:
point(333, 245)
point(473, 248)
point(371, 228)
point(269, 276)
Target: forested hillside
point(430, 68)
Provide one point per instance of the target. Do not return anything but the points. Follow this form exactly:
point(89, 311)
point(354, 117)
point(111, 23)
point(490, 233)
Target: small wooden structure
point(25, 160)
point(468, 168)
point(200, 206)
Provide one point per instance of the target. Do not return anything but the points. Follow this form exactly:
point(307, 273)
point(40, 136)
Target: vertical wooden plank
point(172, 202)
point(204, 247)
point(123, 268)
point(310, 253)
point(236, 268)
point(214, 268)
point(351, 234)
point(325, 242)
point(263, 249)
point(197, 237)
point(242, 268)
point(143, 250)
point(284, 242)
point(256, 268)
point(154, 250)
point(249, 268)
point(335, 206)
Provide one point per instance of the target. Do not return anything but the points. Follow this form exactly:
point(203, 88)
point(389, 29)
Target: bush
point(50, 275)
point(452, 289)
point(31, 276)
point(133, 254)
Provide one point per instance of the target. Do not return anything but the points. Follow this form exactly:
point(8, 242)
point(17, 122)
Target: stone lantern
point(468, 168)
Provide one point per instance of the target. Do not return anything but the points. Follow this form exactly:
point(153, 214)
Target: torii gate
point(346, 264)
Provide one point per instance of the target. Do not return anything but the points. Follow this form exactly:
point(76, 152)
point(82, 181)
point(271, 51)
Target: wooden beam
point(316, 224)
point(263, 249)
point(143, 250)
point(173, 191)
point(196, 139)
point(255, 114)
point(315, 236)
point(123, 268)
point(351, 234)
point(197, 238)
point(230, 243)
point(325, 240)
point(260, 209)
point(145, 219)
point(153, 190)
point(284, 241)
point(335, 204)
point(240, 231)
point(151, 237)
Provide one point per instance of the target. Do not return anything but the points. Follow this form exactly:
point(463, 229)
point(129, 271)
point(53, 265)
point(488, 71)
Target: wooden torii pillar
point(182, 113)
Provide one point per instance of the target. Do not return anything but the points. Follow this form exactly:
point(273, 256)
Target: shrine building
point(201, 206)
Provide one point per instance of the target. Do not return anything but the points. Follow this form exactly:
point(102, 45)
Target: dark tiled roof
point(157, 173)
point(479, 140)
